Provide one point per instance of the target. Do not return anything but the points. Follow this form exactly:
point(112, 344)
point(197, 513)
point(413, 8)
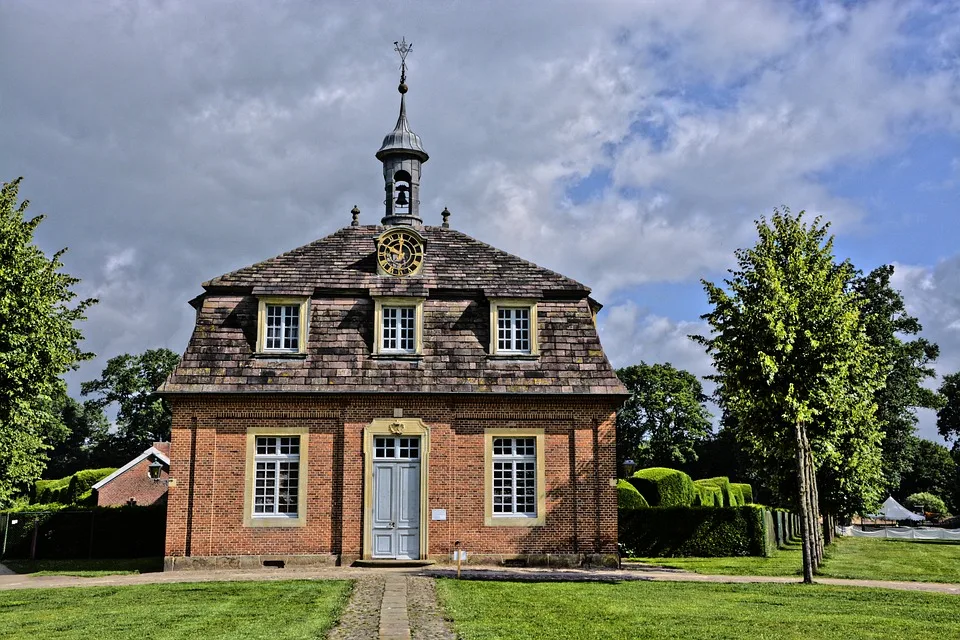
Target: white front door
point(396, 498)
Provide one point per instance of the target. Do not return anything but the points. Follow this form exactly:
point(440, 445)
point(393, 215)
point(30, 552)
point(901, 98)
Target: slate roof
point(347, 260)
point(459, 276)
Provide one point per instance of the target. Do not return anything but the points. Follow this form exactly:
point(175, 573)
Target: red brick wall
point(134, 483)
point(209, 441)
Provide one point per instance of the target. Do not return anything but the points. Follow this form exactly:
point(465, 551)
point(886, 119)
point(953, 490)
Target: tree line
point(819, 372)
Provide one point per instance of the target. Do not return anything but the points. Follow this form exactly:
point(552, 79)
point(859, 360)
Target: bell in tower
point(402, 154)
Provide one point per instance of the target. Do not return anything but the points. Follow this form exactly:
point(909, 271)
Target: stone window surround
point(251, 520)
point(491, 520)
point(527, 303)
point(392, 301)
point(304, 304)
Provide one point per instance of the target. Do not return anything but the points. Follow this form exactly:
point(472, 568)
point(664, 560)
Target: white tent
point(893, 510)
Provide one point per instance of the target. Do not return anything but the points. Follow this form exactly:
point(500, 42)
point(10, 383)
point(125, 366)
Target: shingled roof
point(459, 276)
point(347, 260)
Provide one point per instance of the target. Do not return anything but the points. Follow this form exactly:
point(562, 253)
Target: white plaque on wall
point(439, 514)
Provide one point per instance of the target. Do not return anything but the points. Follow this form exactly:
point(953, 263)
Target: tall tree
point(665, 417)
point(39, 342)
point(130, 381)
point(86, 441)
point(907, 363)
point(795, 369)
point(948, 415)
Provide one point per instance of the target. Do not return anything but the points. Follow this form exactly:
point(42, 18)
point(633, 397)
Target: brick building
point(132, 483)
point(388, 391)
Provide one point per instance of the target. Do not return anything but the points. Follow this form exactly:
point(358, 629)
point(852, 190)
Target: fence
point(902, 533)
point(122, 532)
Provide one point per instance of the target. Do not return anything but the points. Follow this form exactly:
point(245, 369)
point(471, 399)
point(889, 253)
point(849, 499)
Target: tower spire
point(402, 154)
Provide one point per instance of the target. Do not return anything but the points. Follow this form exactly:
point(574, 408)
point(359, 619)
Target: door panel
point(396, 502)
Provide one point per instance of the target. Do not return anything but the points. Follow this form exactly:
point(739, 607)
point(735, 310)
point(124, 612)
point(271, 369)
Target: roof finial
point(403, 48)
point(446, 218)
point(356, 216)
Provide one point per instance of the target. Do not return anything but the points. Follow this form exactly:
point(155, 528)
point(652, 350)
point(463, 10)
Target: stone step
point(388, 563)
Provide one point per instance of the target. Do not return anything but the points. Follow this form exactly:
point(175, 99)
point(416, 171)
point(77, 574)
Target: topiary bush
point(56, 491)
point(82, 481)
point(928, 502)
point(708, 493)
point(628, 497)
point(731, 497)
point(746, 491)
point(664, 487)
point(697, 531)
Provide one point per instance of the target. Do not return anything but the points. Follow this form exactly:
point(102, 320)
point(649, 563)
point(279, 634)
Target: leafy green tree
point(930, 469)
point(795, 369)
point(948, 415)
point(39, 342)
point(664, 419)
point(928, 502)
point(907, 363)
point(130, 381)
point(85, 444)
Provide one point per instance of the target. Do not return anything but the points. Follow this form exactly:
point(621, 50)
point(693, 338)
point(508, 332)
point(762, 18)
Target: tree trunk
point(814, 500)
point(804, 503)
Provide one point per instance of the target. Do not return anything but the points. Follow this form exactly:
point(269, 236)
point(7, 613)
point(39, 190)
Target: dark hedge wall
point(664, 487)
point(696, 531)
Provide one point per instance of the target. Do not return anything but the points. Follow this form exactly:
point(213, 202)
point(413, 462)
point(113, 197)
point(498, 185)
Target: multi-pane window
point(398, 332)
point(390, 448)
point(513, 329)
point(515, 477)
point(276, 487)
point(283, 327)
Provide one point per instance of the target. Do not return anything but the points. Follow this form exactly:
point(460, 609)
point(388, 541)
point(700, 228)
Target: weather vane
point(403, 48)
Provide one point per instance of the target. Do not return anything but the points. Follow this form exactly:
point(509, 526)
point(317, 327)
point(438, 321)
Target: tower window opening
point(401, 192)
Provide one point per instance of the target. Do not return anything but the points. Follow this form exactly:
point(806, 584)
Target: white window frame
point(382, 305)
point(298, 519)
point(271, 463)
point(498, 304)
point(398, 329)
point(302, 305)
point(492, 517)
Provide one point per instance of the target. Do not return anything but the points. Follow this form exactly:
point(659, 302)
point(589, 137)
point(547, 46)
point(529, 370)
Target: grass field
point(209, 610)
point(86, 568)
point(581, 611)
point(859, 558)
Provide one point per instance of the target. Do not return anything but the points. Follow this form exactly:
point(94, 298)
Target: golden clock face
point(400, 253)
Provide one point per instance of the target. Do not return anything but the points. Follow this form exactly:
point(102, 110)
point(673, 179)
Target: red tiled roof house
point(132, 483)
point(387, 392)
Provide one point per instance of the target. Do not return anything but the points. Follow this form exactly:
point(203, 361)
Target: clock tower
point(402, 154)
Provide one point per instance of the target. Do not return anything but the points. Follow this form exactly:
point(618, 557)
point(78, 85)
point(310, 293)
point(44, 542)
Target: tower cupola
point(402, 153)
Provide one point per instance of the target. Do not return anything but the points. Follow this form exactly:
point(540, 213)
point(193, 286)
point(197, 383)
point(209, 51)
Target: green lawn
point(208, 610)
point(861, 558)
point(577, 611)
point(86, 568)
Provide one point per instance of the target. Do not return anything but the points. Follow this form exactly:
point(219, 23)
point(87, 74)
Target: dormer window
point(282, 325)
point(399, 326)
point(513, 328)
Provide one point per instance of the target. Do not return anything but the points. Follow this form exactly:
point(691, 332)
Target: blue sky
point(627, 144)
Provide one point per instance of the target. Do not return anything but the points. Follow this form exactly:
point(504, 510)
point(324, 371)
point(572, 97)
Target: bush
point(928, 502)
point(697, 531)
point(82, 481)
point(732, 497)
point(664, 487)
point(708, 495)
point(746, 491)
point(628, 497)
point(52, 490)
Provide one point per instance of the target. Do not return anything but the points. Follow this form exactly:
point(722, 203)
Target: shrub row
point(697, 531)
point(71, 489)
point(662, 487)
point(628, 497)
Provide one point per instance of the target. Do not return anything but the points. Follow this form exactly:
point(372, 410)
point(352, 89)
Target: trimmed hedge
point(708, 495)
point(102, 532)
point(664, 487)
point(745, 490)
point(696, 531)
point(732, 497)
point(82, 481)
point(628, 497)
point(52, 490)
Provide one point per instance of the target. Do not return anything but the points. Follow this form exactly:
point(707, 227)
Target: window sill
point(275, 521)
point(513, 356)
point(509, 521)
point(280, 355)
point(397, 356)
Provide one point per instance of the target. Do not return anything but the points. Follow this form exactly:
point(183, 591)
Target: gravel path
point(361, 618)
point(426, 617)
